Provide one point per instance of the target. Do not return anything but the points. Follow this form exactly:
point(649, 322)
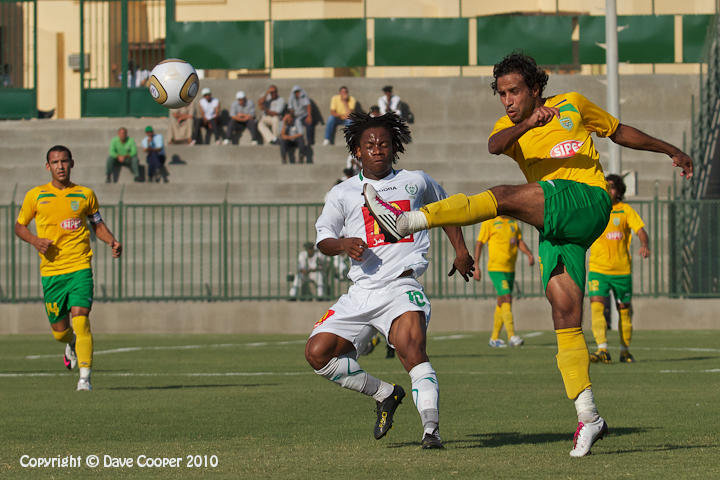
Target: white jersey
point(345, 215)
point(310, 263)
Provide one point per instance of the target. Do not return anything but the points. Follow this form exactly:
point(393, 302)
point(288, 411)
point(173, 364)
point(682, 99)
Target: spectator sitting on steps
point(123, 153)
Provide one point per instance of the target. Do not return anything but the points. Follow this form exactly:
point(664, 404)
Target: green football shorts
point(503, 282)
point(599, 285)
point(575, 215)
point(61, 292)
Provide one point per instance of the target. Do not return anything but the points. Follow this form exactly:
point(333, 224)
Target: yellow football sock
point(459, 209)
point(507, 317)
point(65, 336)
point(573, 360)
point(497, 324)
point(625, 327)
point(599, 325)
point(84, 341)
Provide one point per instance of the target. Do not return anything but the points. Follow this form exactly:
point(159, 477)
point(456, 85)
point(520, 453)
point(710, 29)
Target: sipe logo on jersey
point(614, 235)
point(71, 224)
point(565, 149)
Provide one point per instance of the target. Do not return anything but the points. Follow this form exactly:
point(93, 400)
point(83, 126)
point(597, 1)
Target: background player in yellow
point(61, 211)
point(565, 199)
point(610, 268)
point(503, 236)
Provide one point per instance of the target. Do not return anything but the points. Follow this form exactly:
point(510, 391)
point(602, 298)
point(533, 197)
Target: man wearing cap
point(389, 102)
point(210, 108)
point(242, 116)
point(309, 268)
point(273, 106)
point(154, 147)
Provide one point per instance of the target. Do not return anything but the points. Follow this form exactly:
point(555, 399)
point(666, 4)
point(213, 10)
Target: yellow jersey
point(610, 253)
point(502, 236)
point(62, 216)
point(563, 148)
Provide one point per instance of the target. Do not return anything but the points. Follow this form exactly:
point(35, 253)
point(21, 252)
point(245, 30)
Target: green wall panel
point(641, 39)
point(694, 32)
point(545, 38)
point(223, 45)
point(141, 104)
point(104, 102)
point(319, 43)
point(17, 103)
point(421, 41)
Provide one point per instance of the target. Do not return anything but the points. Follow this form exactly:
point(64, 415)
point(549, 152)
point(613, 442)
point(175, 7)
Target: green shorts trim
point(599, 285)
point(61, 292)
point(575, 215)
point(503, 282)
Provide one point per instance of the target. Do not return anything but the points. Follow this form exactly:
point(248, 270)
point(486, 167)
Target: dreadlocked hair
point(518, 62)
point(359, 122)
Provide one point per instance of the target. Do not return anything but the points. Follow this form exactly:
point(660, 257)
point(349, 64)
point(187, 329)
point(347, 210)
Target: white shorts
point(377, 307)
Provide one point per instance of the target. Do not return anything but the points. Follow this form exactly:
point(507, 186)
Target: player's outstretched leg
point(456, 210)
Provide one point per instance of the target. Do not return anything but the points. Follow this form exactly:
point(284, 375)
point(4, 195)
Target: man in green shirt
point(123, 152)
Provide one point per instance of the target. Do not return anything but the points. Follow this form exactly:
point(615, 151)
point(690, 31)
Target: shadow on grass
point(501, 439)
point(176, 387)
point(652, 448)
point(686, 359)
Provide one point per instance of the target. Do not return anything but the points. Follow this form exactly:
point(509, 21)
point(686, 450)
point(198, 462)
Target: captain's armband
point(95, 218)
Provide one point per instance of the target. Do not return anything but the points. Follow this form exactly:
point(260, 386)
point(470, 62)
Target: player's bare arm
point(463, 263)
point(476, 265)
point(104, 234)
point(644, 243)
point(354, 247)
point(24, 233)
point(522, 246)
point(631, 137)
point(502, 140)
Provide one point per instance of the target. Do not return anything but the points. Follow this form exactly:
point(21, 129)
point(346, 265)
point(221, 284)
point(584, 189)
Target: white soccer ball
point(173, 83)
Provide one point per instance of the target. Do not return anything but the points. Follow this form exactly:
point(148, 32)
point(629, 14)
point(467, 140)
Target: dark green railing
point(224, 251)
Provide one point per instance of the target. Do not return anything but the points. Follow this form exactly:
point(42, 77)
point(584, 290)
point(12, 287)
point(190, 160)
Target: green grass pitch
point(253, 403)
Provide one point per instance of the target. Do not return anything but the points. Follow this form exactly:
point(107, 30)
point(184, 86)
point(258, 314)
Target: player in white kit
point(385, 292)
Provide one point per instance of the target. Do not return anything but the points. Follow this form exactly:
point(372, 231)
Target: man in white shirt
point(389, 102)
point(385, 293)
point(210, 108)
point(309, 269)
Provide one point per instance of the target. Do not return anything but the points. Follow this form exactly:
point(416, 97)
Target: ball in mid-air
point(173, 83)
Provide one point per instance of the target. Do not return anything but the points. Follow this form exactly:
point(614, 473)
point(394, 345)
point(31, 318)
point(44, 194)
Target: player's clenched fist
point(354, 247)
point(542, 115)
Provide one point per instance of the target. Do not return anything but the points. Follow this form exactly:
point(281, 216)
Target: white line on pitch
point(178, 347)
point(711, 370)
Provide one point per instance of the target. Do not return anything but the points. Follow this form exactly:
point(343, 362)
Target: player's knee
point(316, 354)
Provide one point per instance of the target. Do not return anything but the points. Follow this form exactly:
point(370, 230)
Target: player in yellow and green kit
point(61, 211)
point(504, 239)
point(610, 268)
point(565, 199)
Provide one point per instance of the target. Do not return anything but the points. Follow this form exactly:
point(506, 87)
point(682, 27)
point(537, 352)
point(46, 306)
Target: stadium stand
point(453, 117)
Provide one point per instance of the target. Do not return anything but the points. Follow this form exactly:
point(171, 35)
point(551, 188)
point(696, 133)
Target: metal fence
point(226, 251)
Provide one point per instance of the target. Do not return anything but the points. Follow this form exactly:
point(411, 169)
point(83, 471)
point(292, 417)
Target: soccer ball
point(173, 83)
